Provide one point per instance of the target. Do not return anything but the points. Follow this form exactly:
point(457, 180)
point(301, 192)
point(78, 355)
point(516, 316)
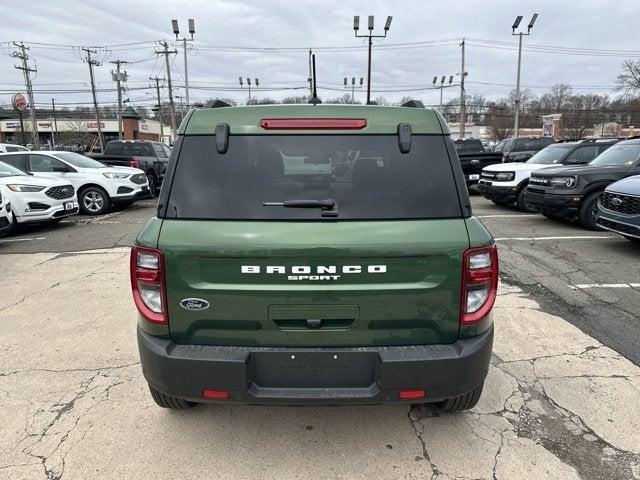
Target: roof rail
point(217, 104)
point(413, 104)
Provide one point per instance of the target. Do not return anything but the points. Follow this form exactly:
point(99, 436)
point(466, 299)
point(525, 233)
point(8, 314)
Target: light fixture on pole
point(256, 83)
point(442, 86)
point(353, 86)
point(176, 30)
point(370, 36)
point(516, 24)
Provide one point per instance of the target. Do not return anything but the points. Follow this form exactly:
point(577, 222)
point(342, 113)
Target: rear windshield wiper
point(328, 207)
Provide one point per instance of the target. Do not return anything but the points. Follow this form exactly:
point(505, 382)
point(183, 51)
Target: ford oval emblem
point(617, 201)
point(194, 304)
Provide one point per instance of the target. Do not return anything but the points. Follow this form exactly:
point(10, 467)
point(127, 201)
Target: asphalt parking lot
point(561, 399)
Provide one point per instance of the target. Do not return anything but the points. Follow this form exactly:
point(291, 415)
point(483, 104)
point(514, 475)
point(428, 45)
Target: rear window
point(137, 149)
point(469, 146)
point(365, 175)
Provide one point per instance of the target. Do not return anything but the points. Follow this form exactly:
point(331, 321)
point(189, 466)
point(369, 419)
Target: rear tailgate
point(329, 284)
point(473, 163)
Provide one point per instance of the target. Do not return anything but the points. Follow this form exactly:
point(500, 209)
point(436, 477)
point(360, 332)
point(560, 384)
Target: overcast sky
point(588, 24)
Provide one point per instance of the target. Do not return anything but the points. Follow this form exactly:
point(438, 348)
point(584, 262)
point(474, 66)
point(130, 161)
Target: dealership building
point(53, 132)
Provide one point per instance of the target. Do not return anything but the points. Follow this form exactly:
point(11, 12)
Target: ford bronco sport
point(314, 254)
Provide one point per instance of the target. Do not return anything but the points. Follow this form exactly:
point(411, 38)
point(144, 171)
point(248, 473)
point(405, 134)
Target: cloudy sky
point(275, 35)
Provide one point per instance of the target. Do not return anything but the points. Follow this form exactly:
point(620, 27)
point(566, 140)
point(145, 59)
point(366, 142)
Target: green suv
point(314, 254)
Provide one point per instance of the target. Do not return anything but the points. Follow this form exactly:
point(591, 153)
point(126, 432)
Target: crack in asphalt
point(62, 409)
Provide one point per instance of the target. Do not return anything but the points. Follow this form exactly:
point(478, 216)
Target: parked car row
point(48, 186)
point(575, 181)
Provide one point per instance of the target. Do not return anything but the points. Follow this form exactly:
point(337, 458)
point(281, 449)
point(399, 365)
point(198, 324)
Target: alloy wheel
point(93, 201)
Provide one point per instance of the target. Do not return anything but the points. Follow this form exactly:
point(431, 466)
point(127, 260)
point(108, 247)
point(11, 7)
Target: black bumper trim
point(560, 205)
point(443, 371)
point(501, 194)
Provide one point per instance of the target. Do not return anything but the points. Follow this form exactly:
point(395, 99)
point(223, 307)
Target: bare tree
point(628, 80)
point(74, 133)
point(296, 99)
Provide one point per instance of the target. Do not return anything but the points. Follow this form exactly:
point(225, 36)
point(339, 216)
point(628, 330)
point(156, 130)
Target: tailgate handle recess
point(314, 323)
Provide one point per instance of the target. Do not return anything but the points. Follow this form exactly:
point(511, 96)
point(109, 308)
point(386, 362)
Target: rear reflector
point(313, 123)
point(215, 394)
point(409, 394)
point(134, 163)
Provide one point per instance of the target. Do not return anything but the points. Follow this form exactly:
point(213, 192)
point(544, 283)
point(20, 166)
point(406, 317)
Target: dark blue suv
point(619, 208)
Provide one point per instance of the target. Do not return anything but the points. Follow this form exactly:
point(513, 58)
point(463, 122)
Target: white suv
point(6, 219)
point(10, 147)
point(98, 185)
point(36, 199)
point(505, 183)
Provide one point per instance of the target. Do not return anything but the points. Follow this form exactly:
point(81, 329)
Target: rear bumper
point(560, 205)
point(351, 375)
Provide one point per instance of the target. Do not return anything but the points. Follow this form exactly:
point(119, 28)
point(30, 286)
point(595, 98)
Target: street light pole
point(192, 30)
point(353, 86)
point(442, 86)
point(370, 36)
point(515, 25)
point(257, 83)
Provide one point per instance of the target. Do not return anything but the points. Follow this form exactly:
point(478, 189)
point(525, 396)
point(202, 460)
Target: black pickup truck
point(474, 157)
point(151, 157)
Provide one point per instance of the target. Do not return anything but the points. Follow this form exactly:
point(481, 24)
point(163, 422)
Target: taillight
point(479, 283)
point(134, 163)
point(147, 284)
point(504, 158)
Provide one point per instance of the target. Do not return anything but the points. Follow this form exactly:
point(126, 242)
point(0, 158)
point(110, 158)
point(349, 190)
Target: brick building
point(82, 131)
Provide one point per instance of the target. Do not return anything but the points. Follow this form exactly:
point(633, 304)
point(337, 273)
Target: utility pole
point(55, 124)
point(463, 97)
point(515, 25)
point(27, 70)
point(442, 86)
point(172, 108)
point(257, 83)
point(119, 77)
point(157, 82)
point(353, 86)
point(92, 62)
point(310, 79)
point(370, 36)
point(192, 30)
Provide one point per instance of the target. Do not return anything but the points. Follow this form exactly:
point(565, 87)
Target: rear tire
point(154, 190)
point(588, 210)
point(462, 402)
point(167, 401)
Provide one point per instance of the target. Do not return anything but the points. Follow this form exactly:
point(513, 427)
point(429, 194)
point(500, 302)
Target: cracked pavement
point(557, 404)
